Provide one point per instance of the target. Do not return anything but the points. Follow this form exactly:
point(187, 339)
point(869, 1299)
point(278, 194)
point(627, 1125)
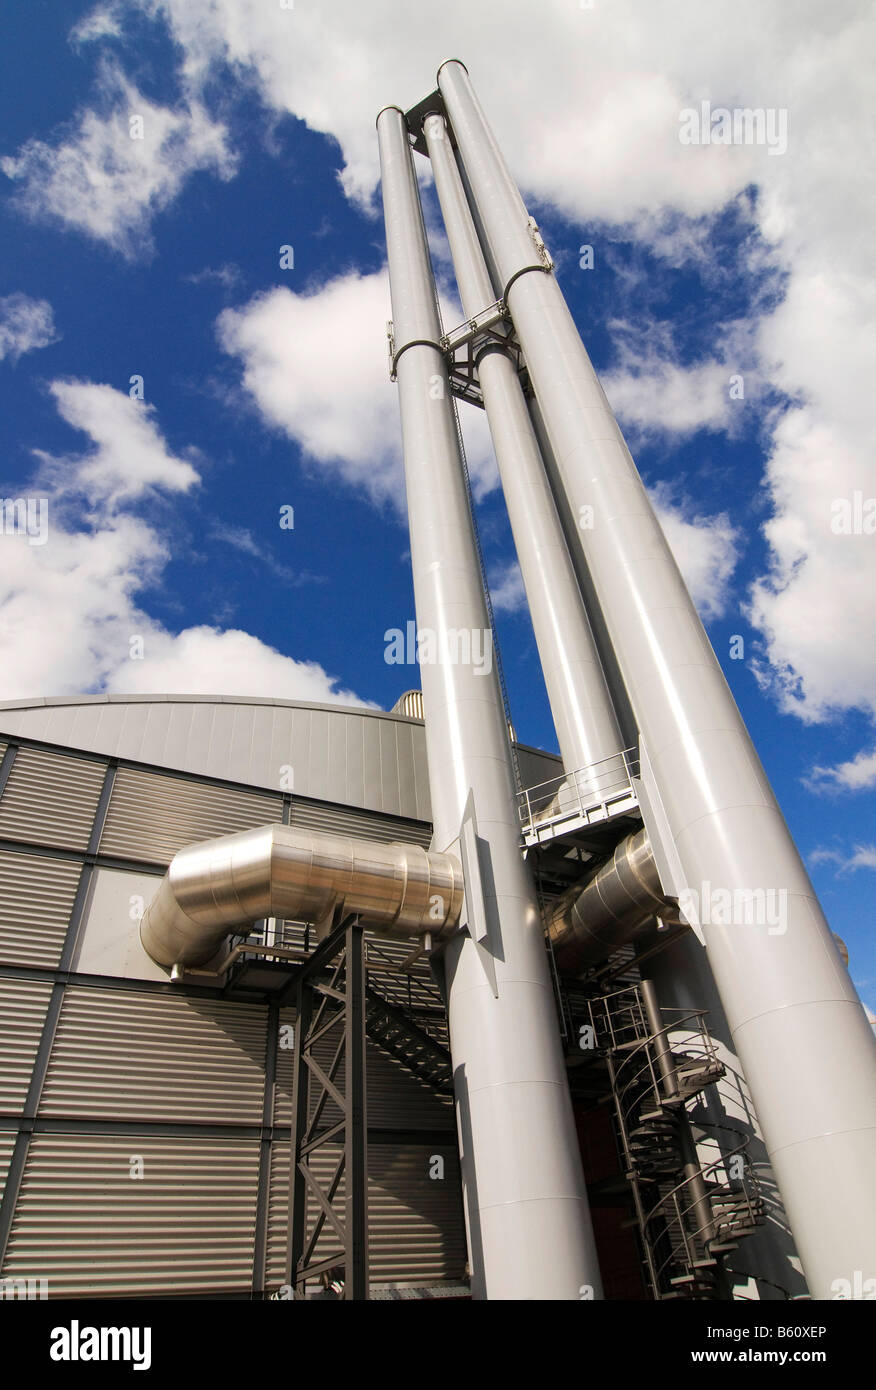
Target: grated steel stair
point(688, 1215)
point(392, 1029)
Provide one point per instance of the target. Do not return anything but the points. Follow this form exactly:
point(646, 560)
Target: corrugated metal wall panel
point(396, 1098)
point(87, 1226)
point(50, 799)
point(23, 1005)
point(7, 1144)
point(342, 820)
point(151, 816)
point(123, 1055)
point(36, 899)
point(415, 1223)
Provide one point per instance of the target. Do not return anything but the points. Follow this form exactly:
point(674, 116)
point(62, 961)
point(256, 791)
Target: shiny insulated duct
point(527, 1217)
point(588, 922)
point(797, 1024)
point(226, 884)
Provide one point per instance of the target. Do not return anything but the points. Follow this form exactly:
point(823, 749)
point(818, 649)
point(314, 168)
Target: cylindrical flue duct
point(586, 727)
point(588, 923)
point(528, 1220)
point(797, 1024)
point(226, 884)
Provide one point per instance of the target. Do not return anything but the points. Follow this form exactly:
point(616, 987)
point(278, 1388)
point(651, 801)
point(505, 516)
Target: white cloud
point(586, 104)
point(25, 324)
point(103, 22)
point(862, 857)
point(103, 180)
point(663, 397)
point(70, 608)
point(317, 368)
point(705, 550)
point(858, 774)
point(817, 606)
point(507, 593)
point(651, 393)
point(211, 661)
point(129, 456)
point(335, 66)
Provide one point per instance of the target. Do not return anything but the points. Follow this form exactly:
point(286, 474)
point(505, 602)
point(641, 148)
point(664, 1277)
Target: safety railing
point(586, 796)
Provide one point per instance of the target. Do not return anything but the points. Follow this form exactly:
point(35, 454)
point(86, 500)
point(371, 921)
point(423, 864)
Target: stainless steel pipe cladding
point(226, 884)
point(587, 923)
point(797, 1024)
point(527, 1217)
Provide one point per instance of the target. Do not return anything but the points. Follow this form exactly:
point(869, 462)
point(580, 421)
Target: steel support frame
point(330, 1003)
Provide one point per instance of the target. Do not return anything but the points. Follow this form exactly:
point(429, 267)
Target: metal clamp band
point(545, 269)
point(415, 342)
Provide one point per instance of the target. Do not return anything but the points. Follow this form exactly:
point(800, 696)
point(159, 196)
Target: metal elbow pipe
point(589, 922)
point(226, 884)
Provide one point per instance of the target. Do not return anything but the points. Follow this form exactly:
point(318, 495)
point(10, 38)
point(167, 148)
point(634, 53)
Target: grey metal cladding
point(334, 751)
point(359, 757)
point(128, 1055)
point(50, 798)
point(151, 815)
point(415, 1225)
point(88, 1225)
point(36, 899)
point(23, 1005)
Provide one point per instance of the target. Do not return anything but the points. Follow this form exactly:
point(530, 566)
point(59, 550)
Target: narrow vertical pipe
point(584, 720)
point(797, 1024)
point(527, 1216)
point(570, 523)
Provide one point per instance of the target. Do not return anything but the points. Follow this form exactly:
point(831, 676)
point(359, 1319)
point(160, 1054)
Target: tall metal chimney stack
point(797, 1024)
point(527, 1215)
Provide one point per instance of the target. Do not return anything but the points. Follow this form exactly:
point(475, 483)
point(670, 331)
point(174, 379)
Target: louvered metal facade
point(135, 1213)
point(50, 799)
point(150, 1121)
point(415, 1234)
point(36, 900)
point(23, 1007)
point(126, 1055)
point(152, 815)
point(7, 1145)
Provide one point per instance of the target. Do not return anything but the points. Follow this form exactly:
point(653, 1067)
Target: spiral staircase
point(688, 1213)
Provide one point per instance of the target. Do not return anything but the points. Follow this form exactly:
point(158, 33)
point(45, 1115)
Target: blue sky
point(267, 387)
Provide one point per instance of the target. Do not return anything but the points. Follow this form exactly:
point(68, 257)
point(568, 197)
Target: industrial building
point(310, 1001)
point(144, 1124)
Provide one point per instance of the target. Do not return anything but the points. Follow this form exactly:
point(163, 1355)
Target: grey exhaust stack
point(527, 1216)
point(797, 1024)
